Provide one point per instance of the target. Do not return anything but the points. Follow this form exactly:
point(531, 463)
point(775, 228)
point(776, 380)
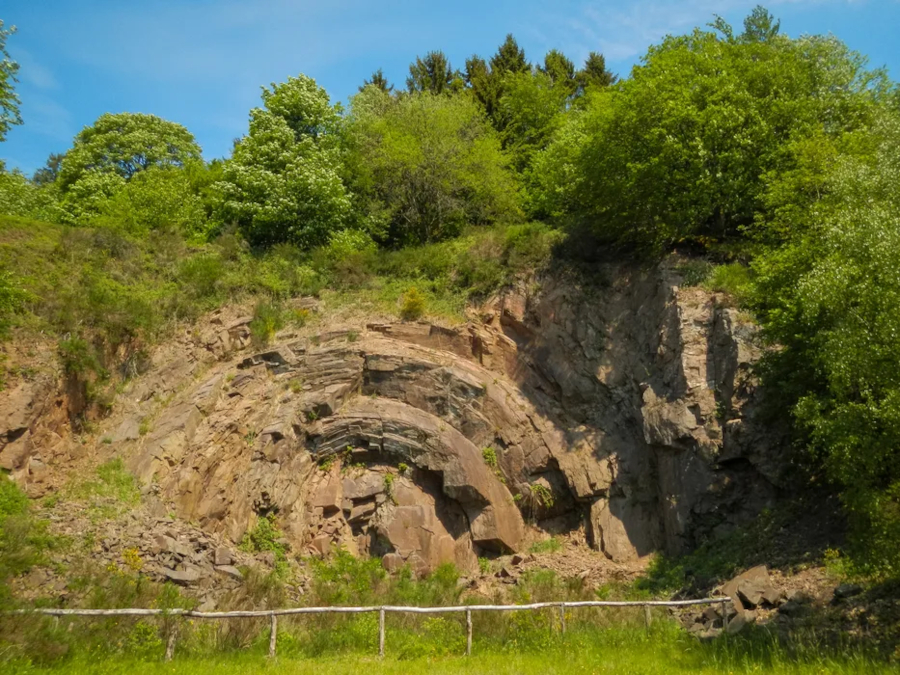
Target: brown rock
point(392, 562)
point(739, 621)
point(182, 577)
point(755, 578)
point(222, 556)
point(321, 544)
point(230, 570)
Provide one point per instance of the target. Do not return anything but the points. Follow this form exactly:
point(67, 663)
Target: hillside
point(519, 332)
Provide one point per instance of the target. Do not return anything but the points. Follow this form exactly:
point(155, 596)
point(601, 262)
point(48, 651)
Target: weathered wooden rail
point(273, 614)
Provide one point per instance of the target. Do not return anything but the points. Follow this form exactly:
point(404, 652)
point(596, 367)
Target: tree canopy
point(283, 181)
point(9, 100)
point(125, 144)
point(680, 148)
point(433, 74)
point(425, 165)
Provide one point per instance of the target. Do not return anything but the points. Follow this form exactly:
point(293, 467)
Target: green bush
point(413, 305)
point(13, 501)
point(268, 319)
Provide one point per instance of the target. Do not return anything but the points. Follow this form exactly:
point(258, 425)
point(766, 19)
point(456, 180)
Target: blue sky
point(201, 62)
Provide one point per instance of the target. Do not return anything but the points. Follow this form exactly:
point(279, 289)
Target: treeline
point(776, 157)
point(398, 167)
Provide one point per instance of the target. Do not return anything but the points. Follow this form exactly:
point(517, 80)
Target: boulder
point(748, 589)
point(222, 556)
point(183, 577)
point(230, 571)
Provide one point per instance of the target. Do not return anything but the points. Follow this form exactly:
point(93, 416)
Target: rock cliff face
point(626, 408)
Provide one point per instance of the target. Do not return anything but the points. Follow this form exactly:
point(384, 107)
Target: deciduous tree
point(125, 144)
point(283, 181)
point(9, 100)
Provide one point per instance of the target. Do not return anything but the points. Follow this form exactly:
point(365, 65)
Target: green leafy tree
point(829, 296)
point(125, 144)
point(433, 74)
point(22, 197)
point(159, 199)
point(680, 149)
point(9, 100)
point(531, 109)
point(283, 181)
point(554, 177)
point(425, 165)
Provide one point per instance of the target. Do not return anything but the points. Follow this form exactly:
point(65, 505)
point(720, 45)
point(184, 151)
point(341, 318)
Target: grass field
point(662, 651)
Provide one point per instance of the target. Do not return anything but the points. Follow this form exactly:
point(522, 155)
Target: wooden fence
point(273, 614)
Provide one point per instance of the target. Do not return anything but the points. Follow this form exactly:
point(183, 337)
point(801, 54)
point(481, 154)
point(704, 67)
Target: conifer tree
point(560, 70)
point(433, 74)
point(379, 80)
point(594, 73)
point(510, 58)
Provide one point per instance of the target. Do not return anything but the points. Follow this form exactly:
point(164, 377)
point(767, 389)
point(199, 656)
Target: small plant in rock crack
point(250, 437)
point(541, 495)
point(484, 566)
point(403, 468)
point(389, 486)
point(311, 416)
point(352, 336)
point(296, 385)
point(490, 457)
point(267, 536)
point(326, 463)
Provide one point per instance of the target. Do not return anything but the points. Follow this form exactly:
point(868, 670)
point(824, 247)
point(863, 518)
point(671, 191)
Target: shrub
point(413, 305)
point(268, 319)
point(13, 501)
point(490, 457)
point(265, 536)
point(12, 298)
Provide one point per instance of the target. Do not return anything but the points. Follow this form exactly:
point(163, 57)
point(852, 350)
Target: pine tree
point(433, 74)
point(379, 80)
point(481, 84)
point(47, 174)
point(510, 58)
point(594, 73)
point(760, 26)
point(560, 70)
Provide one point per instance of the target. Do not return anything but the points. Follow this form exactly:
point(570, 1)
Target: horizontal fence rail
point(273, 614)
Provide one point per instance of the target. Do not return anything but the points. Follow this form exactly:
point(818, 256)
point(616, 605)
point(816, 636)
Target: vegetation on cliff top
point(776, 155)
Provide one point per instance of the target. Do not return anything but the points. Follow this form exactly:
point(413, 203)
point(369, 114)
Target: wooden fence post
point(381, 632)
point(562, 617)
point(170, 640)
point(468, 632)
point(273, 634)
point(648, 618)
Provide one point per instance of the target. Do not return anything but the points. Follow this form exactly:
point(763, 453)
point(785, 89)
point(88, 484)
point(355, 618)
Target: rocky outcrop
point(626, 408)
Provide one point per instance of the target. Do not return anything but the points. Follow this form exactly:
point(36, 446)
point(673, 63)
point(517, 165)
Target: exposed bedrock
point(628, 408)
